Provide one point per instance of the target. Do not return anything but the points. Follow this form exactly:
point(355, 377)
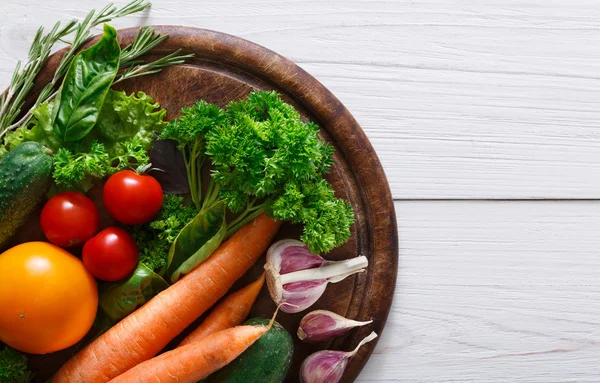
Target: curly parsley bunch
point(264, 158)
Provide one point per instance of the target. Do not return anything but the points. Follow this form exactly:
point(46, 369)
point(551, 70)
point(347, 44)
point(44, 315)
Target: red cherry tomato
point(132, 198)
point(111, 255)
point(69, 219)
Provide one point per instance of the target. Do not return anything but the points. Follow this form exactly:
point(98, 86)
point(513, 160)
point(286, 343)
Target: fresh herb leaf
point(153, 250)
point(24, 75)
point(197, 241)
point(189, 132)
point(40, 130)
point(119, 299)
point(128, 154)
point(85, 86)
point(154, 239)
point(153, 67)
point(326, 219)
point(13, 367)
point(77, 168)
point(72, 168)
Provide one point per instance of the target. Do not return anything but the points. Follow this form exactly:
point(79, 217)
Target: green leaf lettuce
point(40, 130)
point(123, 117)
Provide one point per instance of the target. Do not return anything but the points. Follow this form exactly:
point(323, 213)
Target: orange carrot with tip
point(195, 361)
point(146, 331)
point(229, 313)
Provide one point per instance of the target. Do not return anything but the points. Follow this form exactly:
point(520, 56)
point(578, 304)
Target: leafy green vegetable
point(326, 219)
point(123, 117)
point(85, 86)
point(71, 168)
point(13, 367)
point(121, 139)
point(79, 167)
point(153, 251)
point(189, 132)
point(263, 158)
point(266, 146)
point(40, 130)
point(154, 239)
point(120, 299)
point(197, 241)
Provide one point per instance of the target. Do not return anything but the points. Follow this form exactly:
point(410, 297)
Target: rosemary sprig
point(12, 101)
point(21, 83)
point(156, 66)
point(83, 31)
point(145, 40)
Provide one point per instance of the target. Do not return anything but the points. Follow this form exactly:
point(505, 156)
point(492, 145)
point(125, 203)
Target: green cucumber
point(25, 176)
point(266, 361)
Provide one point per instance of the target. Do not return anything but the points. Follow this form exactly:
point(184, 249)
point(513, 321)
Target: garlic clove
point(289, 255)
point(302, 294)
point(328, 366)
point(324, 367)
point(298, 277)
point(322, 325)
point(274, 282)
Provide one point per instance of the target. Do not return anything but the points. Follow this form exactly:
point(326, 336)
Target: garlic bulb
point(328, 366)
point(299, 278)
point(322, 325)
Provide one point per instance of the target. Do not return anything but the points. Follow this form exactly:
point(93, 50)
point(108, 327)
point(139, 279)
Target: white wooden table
point(486, 117)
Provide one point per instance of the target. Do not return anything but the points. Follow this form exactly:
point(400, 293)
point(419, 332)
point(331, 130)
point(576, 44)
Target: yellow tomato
point(48, 300)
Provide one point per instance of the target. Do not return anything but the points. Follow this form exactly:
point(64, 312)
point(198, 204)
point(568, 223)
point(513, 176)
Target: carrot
point(231, 312)
point(195, 361)
point(146, 331)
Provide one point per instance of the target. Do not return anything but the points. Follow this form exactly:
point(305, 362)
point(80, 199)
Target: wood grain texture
point(489, 99)
point(494, 292)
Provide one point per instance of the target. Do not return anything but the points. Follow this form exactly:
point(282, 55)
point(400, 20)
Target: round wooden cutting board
point(227, 68)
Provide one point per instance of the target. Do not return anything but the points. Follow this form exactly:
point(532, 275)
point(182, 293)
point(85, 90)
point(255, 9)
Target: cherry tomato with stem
point(111, 255)
point(69, 219)
point(132, 198)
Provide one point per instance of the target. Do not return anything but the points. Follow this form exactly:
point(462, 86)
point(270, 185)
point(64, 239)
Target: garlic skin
point(299, 278)
point(328, 366)
point(322, 325)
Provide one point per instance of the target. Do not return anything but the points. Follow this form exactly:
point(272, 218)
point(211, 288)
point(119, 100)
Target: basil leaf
point(119, 299)
point(85, 86)
point(197, 241)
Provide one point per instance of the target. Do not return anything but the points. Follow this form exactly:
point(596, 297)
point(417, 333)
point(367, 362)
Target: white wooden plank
point(493, 99)
point(494, 292)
